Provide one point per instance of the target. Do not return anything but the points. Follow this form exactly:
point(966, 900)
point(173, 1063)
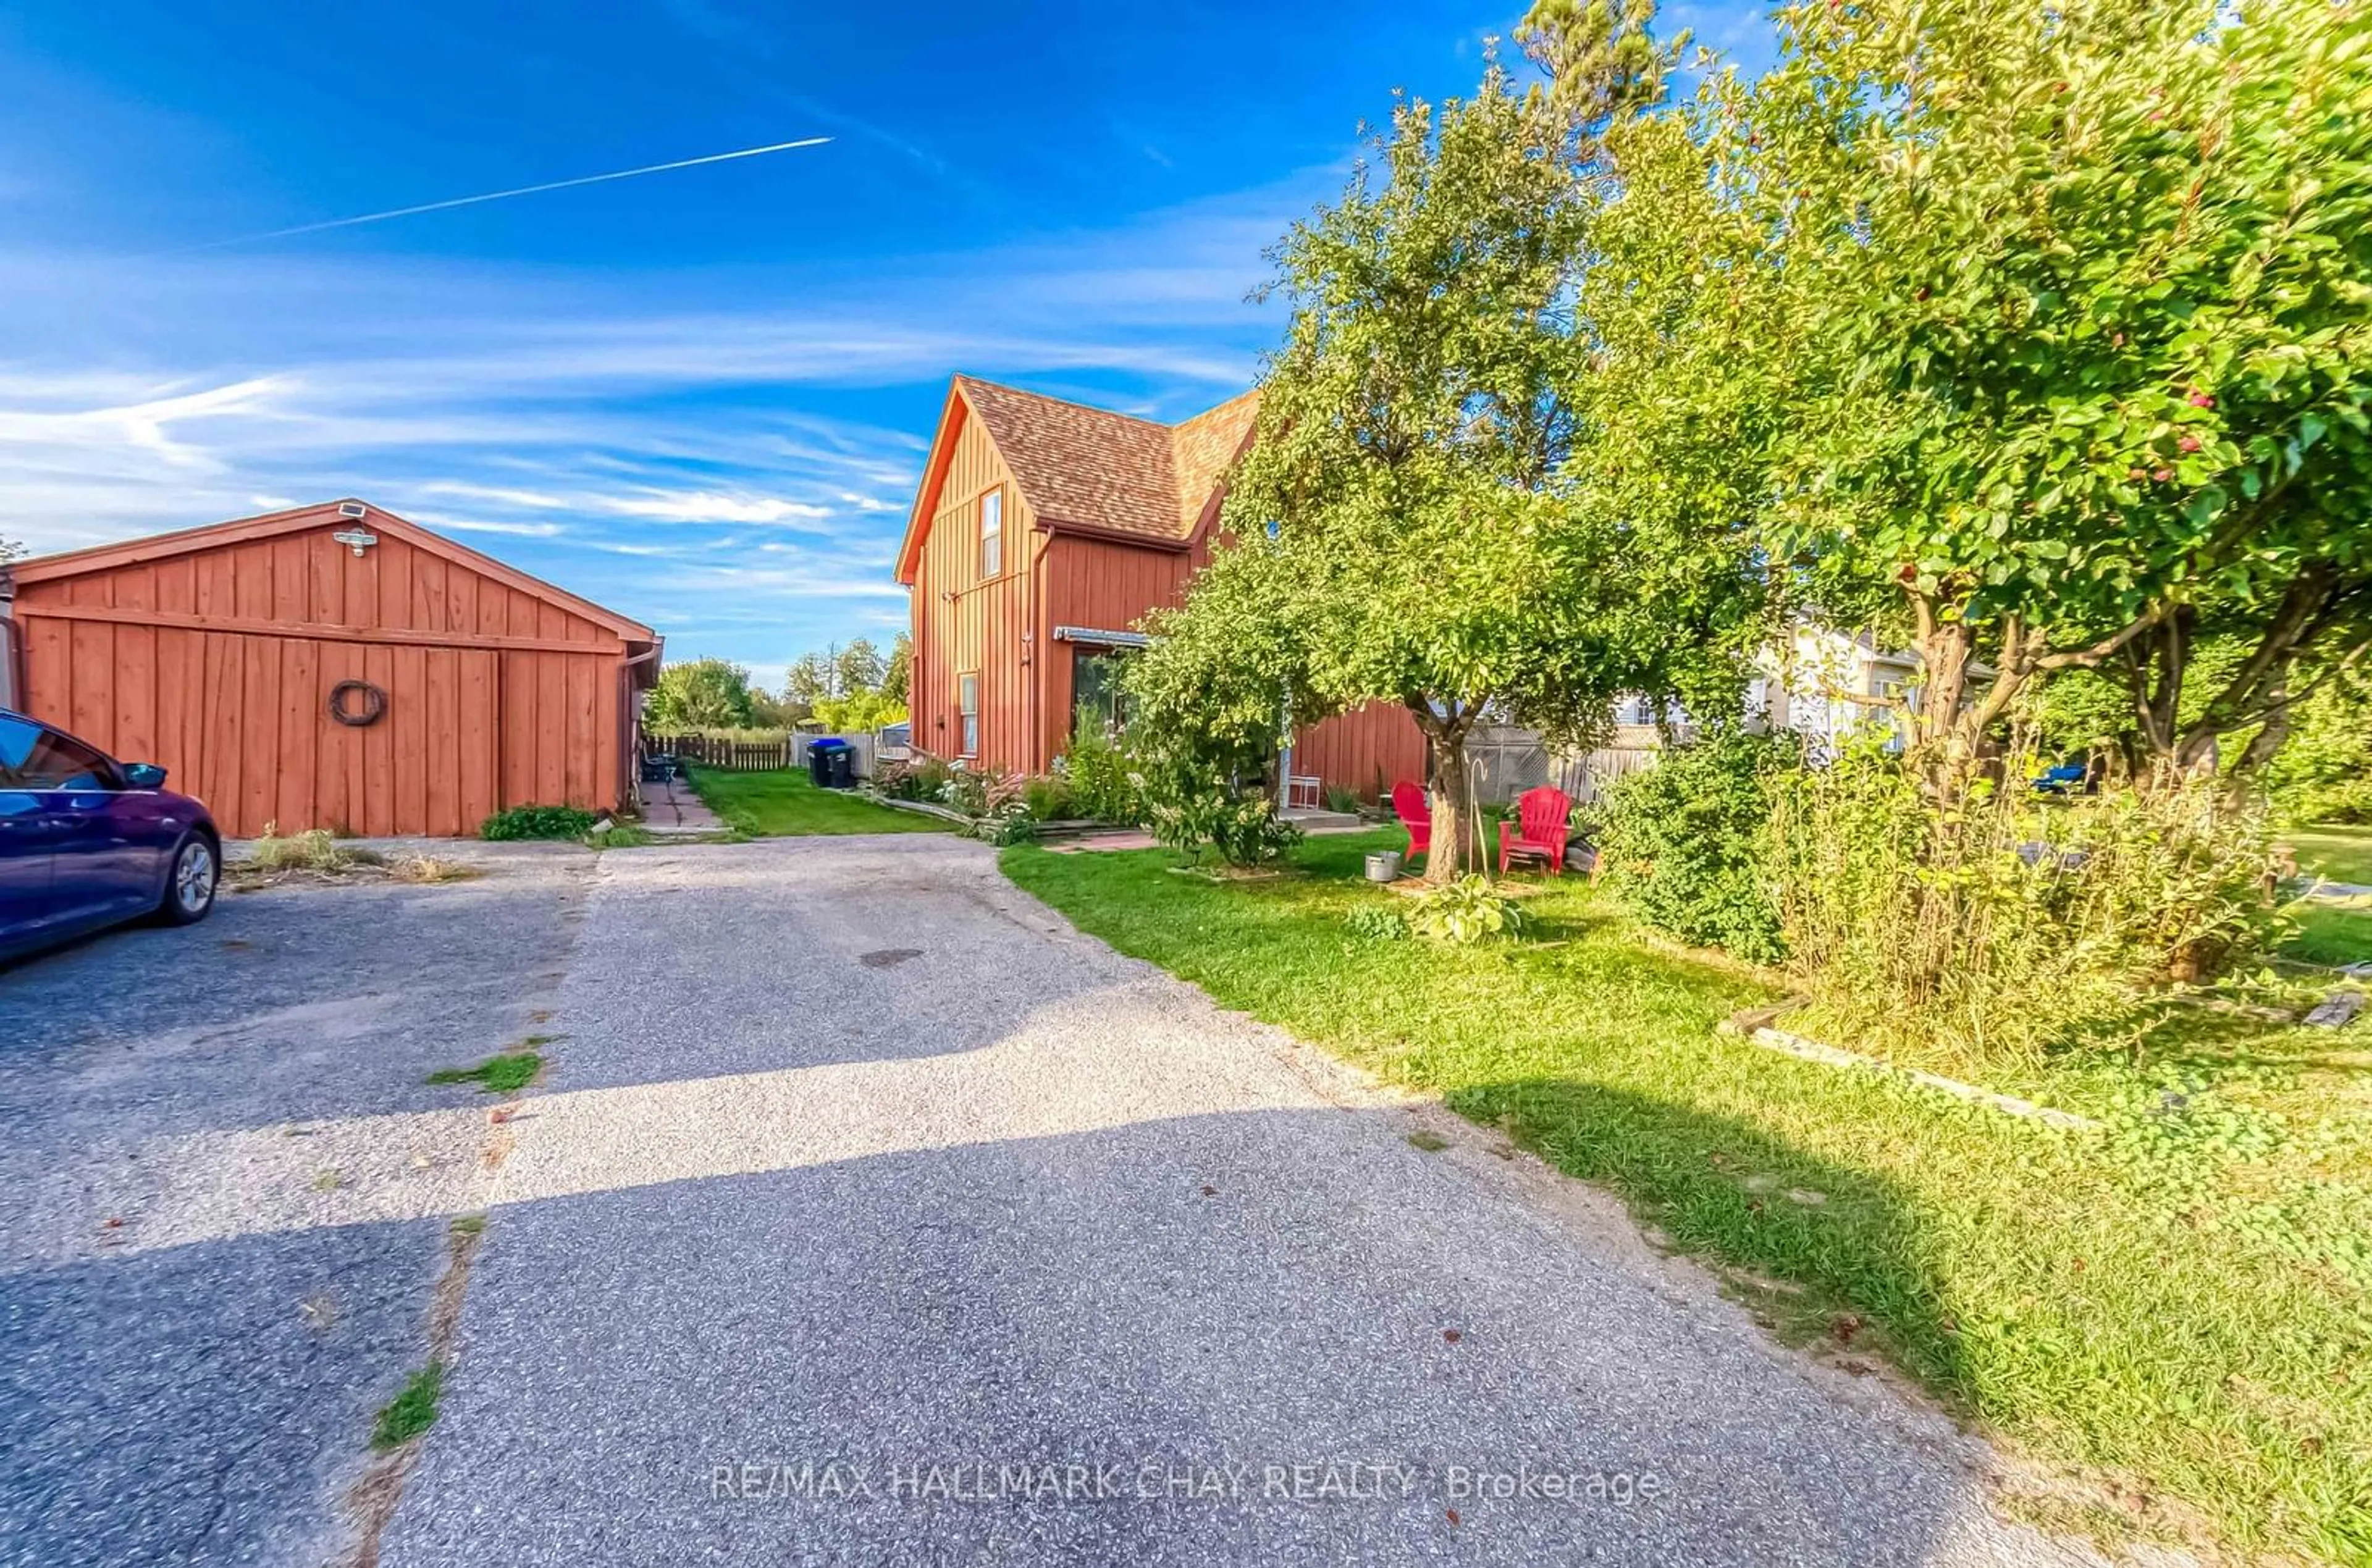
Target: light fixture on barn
point(357, 538)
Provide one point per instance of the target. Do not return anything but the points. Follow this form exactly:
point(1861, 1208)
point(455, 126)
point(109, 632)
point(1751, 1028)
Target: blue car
point(87, 841)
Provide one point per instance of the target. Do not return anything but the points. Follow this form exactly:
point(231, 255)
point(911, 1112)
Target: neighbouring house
point(334, 667)
point(1042, 532)
point(1820, 682)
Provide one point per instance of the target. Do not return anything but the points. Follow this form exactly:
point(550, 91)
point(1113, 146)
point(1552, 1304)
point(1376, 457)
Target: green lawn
point(2331, 933)
point(2341, 855)
point(784, 804)
point(2181, 1310)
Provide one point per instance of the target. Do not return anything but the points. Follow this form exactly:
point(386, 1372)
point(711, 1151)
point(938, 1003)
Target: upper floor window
point(992, 533)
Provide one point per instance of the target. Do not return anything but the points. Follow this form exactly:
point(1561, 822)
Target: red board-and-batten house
point(1043, 532)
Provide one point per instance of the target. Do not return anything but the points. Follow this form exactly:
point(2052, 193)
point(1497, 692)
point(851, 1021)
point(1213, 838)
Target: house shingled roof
point(1092, 467)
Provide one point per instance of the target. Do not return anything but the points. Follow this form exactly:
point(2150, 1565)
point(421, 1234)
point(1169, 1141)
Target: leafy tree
point(857, 711)
point(1602, 61)
point(1208, 709)
point(809, 680)
point(1413, 430)
point(708, 694)
point(2082, 291)
point(897, 680)
point(770, 711)
point(856, 668)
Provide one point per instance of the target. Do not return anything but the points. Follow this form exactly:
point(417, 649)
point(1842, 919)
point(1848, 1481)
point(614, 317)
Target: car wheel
point(189, 889)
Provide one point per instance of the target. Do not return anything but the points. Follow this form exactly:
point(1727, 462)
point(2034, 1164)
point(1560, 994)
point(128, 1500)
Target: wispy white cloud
point(714, 451)
point(709, 507)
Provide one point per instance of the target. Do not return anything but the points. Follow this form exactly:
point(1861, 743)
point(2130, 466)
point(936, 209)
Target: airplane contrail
point(506, 195)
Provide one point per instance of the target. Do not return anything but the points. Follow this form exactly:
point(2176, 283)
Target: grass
point(622, 835)
point(2331, 933)
point(2172, 1319)
point(412, 1412)
point(2340, 854)
point(502, 1074)
point(784, 804)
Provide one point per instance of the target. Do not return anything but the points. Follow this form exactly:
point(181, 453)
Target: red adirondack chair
point(1408, 804)
point(1543, 820)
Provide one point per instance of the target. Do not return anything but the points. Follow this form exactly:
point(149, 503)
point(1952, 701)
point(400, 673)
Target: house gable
point(289, 569)
point(1088, 470)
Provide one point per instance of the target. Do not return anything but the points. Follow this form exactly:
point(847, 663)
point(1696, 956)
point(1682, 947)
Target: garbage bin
point(831, 764)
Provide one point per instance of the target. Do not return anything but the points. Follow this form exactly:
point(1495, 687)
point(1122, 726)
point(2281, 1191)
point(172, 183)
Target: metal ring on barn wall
point(374, 703)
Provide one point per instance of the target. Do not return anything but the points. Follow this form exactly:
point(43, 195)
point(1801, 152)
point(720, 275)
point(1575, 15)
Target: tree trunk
point(2265, 743)
point(1937, 737)
point(1450, 794)
point(1455, 849)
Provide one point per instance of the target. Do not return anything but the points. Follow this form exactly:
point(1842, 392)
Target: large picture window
point(992, 533)
point(967, 703)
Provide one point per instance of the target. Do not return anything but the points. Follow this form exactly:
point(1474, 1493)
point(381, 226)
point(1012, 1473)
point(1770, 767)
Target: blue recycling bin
point(832, 763)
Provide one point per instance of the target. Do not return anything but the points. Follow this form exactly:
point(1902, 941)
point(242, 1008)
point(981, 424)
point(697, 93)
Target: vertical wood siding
point(239, 716)
point(963, 626)
point(1353, 751)
point(1104, 585)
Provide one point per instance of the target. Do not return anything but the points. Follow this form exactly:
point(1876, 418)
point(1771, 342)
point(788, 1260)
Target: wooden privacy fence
point(1504, 761)
point(732, 755)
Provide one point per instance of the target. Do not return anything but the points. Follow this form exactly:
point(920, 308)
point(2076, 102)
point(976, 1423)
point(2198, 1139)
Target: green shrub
point(1048, 799)
point(1469, 910)
point(1373, 923)
point(538, 822)
point(1341, 798)
point(2014, 924)
point(2323, 771)
point(1191, 816)
point(1098, 772)
point(1685, 841)
point(2349, 801)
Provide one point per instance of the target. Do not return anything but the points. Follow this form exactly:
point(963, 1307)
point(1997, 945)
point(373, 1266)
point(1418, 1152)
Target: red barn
point(1043, 532)
point(334, 667)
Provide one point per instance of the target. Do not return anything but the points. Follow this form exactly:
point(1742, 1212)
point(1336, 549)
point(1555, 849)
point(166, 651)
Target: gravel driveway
point(867, 1212)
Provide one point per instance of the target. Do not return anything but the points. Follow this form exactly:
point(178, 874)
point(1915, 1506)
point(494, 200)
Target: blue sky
point(699, 397)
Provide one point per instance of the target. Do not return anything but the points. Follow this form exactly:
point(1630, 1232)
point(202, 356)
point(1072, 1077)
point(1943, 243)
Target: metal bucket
point(1384, 866)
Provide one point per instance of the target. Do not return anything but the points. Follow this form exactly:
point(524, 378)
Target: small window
point(968, 701)
point(992, 533)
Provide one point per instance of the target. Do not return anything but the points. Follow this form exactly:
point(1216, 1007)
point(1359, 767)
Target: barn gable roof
point(1090, 469)
point(271, 524)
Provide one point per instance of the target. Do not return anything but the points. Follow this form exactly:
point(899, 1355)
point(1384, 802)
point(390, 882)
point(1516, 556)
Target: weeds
point(502, 1074)
point(316, 849)
point(538, 822)
point(430, 868)
point(410, 1412)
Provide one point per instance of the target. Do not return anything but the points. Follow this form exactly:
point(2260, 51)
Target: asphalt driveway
point(213, 1262)
point(867, 1213)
